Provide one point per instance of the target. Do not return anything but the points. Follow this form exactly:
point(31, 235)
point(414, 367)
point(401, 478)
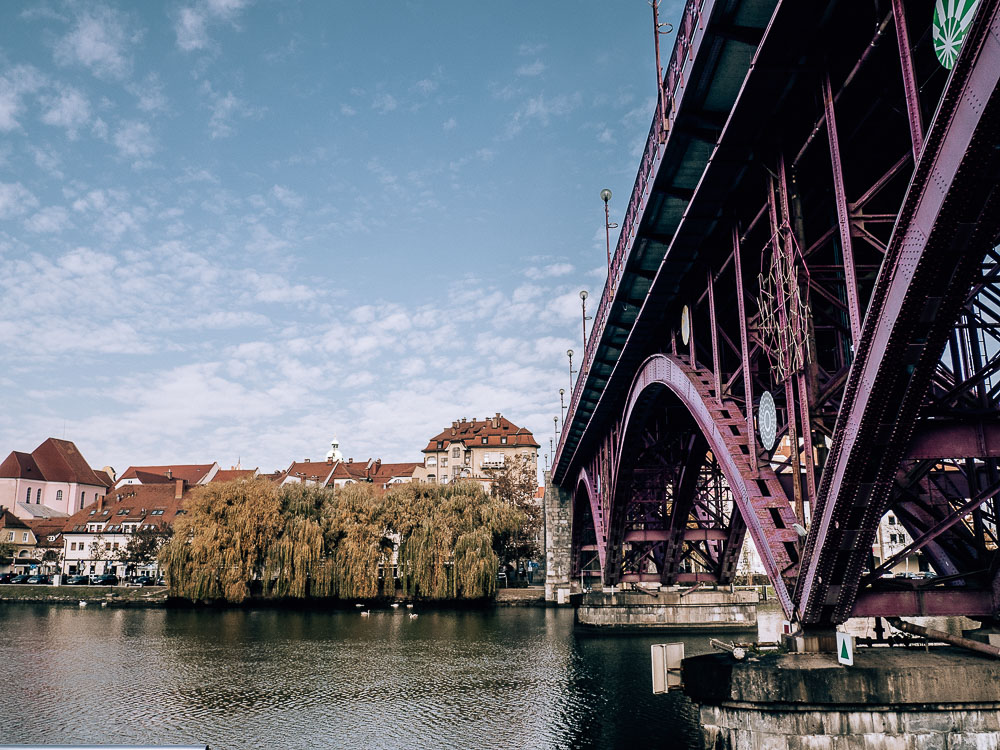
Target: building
point(54, 480)
point(94, 539)
point(340, 473)
point(469, 447)
point(228, 475)
point(192, 474)
point(15, 532)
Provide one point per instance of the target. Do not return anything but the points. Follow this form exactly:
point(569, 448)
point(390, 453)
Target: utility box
point(666, 659)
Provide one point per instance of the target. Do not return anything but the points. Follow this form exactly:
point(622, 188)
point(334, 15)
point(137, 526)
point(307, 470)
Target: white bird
point(104, 604)
point(414, 615)
point(395, 605)
point(365, 613)
point(409, 606)
point(83, 603)
point(359, 606)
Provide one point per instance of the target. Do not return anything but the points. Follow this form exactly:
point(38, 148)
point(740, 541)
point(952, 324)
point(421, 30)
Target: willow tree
point(359, 543)
point(221, 542)
point(450, 538)
point(296, 561)
point(514, 484)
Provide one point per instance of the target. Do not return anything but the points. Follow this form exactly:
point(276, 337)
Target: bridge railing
point(669, 91)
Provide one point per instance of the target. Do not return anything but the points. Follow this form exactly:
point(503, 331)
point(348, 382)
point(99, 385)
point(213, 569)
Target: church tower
point(334, 453)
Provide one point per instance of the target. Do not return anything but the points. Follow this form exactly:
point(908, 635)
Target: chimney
point(307, 460)
point(170, 474)
point(350, 460)
point(179, 489)
point(100, 503)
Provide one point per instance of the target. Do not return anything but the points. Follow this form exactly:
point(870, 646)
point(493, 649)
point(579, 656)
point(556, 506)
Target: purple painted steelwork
point(669, 472)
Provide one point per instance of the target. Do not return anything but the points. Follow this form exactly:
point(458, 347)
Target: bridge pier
point(703, 609)
point(898, 699)
point(558, 541)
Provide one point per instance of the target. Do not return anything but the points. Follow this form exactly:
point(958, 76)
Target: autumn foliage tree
point(514, 484)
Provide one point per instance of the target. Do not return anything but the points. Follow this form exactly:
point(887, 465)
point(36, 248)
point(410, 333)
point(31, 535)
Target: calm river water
point(507, 678)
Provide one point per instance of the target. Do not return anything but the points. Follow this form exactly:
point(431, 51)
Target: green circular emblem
point(951, 21)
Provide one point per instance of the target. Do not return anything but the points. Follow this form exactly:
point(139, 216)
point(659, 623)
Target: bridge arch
point(716, 428)
point(587, 535)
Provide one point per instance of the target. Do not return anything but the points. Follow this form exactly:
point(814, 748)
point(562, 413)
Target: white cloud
point(149, 94)
point(347, 109)
point(135, 141)
point(384, 103)
point(287, 197)
point(15, 200)
point(426, 86)
point(191, 30)
point(225, 108)
point(14, 84)
point(69, 109)
point(450, 124)
point(49, 220)
point(532, 69)
point(541, 110)
point(99, 40)
point(549, 271)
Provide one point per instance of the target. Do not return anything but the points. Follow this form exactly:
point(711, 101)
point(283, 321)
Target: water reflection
point(239, 679)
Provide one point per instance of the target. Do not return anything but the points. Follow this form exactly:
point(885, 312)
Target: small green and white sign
point(951, 20)
point(845, 649)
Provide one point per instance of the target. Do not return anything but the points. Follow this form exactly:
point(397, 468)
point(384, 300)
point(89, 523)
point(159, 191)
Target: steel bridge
point(801, 326)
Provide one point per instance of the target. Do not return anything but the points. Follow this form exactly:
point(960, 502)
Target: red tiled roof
point(190, 473)
point(43, 528)
point(52, 461)
point(142, 501)
point(228, 475)
point(60, 461)
point(9, 521)
point(388, 471)
point(312, 471)
point(106, 479)
point(472, 433)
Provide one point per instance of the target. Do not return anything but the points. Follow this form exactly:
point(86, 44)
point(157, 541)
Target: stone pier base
point(669, 610)
point(891, 699)
point(558, 542)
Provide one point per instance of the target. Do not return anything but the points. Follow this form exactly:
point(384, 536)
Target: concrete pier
point(891, 699)
point(704, 609)
point(558, 542)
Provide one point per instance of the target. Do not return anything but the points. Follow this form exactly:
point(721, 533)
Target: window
point(440, 444)
point(27, 498)
point(58, 496)
point(10, 536)
point(81, 501)
point(124, 511)
point(93, 512)
point(456, 452)
point(484, 441)
point(503, 440)
point(24, 536)
point(116, 545)
point(72, 546)
point(157, 512)
point(38, 496)
point(444, 461)
point(107, 545)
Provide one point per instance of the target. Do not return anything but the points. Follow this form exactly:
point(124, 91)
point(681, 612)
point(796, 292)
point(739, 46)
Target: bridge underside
point(816, 231)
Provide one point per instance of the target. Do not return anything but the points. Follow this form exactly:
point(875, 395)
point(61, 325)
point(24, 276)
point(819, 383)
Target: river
point(510, 677)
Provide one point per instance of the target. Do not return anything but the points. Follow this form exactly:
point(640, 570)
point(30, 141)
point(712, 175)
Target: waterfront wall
point(704, 609)
point(891, 699)
point(558, 540)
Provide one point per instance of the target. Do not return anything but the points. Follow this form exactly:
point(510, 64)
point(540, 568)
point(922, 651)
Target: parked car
point(142, 581)
point(108, 579)
point(77, 581)
point(22, 578)
point(6, 577)
point(39, 580)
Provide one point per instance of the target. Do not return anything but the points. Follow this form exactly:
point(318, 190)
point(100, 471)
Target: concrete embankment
point(126, 596)
point(704, 609)
point(890, 699)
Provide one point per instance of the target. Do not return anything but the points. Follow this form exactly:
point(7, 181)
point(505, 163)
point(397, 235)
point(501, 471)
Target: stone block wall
point(558, 539)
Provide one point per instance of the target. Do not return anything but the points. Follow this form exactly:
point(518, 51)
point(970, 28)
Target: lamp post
point(569, 353)
point(555, 428)
point(583, 304)
point(606, 196)
point(562, 406)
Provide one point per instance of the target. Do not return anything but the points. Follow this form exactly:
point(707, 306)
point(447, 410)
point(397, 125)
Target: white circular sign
point(685, 325)
point(767, 421)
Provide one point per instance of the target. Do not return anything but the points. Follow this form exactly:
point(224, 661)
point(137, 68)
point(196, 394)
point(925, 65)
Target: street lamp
point(583, 302)
point(562, 406)
point(608, 226)
point(569, 353)
point(555, 428)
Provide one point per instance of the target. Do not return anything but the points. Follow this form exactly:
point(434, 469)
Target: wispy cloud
point(531, 69)
point(100, 40)
point(549, 271)
point(68, 109)
point(134, 140)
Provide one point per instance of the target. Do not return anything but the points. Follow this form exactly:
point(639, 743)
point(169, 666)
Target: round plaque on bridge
point(951, 21)
point(767, 420)
point(685, 325)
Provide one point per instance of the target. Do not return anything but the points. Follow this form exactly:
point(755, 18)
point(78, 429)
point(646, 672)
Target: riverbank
point(156, 596)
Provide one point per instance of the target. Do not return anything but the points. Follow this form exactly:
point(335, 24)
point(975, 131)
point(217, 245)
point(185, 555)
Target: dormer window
point(503, 440)
point(440, 444)
point(93, 512)
point(484, 441)
point(156, 512)
point(124, 511)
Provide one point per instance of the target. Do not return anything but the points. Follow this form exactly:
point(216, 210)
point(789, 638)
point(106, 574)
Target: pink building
point(53, 480)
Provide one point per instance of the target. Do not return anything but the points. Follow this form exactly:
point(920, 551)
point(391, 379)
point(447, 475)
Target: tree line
point(246, 539)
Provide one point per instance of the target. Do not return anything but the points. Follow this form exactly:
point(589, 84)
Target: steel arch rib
point(948, 220)
point(761, 500)
point(599, 532)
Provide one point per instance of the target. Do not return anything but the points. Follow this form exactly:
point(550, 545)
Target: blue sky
point(231, 229)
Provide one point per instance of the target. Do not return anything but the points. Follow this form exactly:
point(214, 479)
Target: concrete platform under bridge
point(904, 699)
point(669, 610)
